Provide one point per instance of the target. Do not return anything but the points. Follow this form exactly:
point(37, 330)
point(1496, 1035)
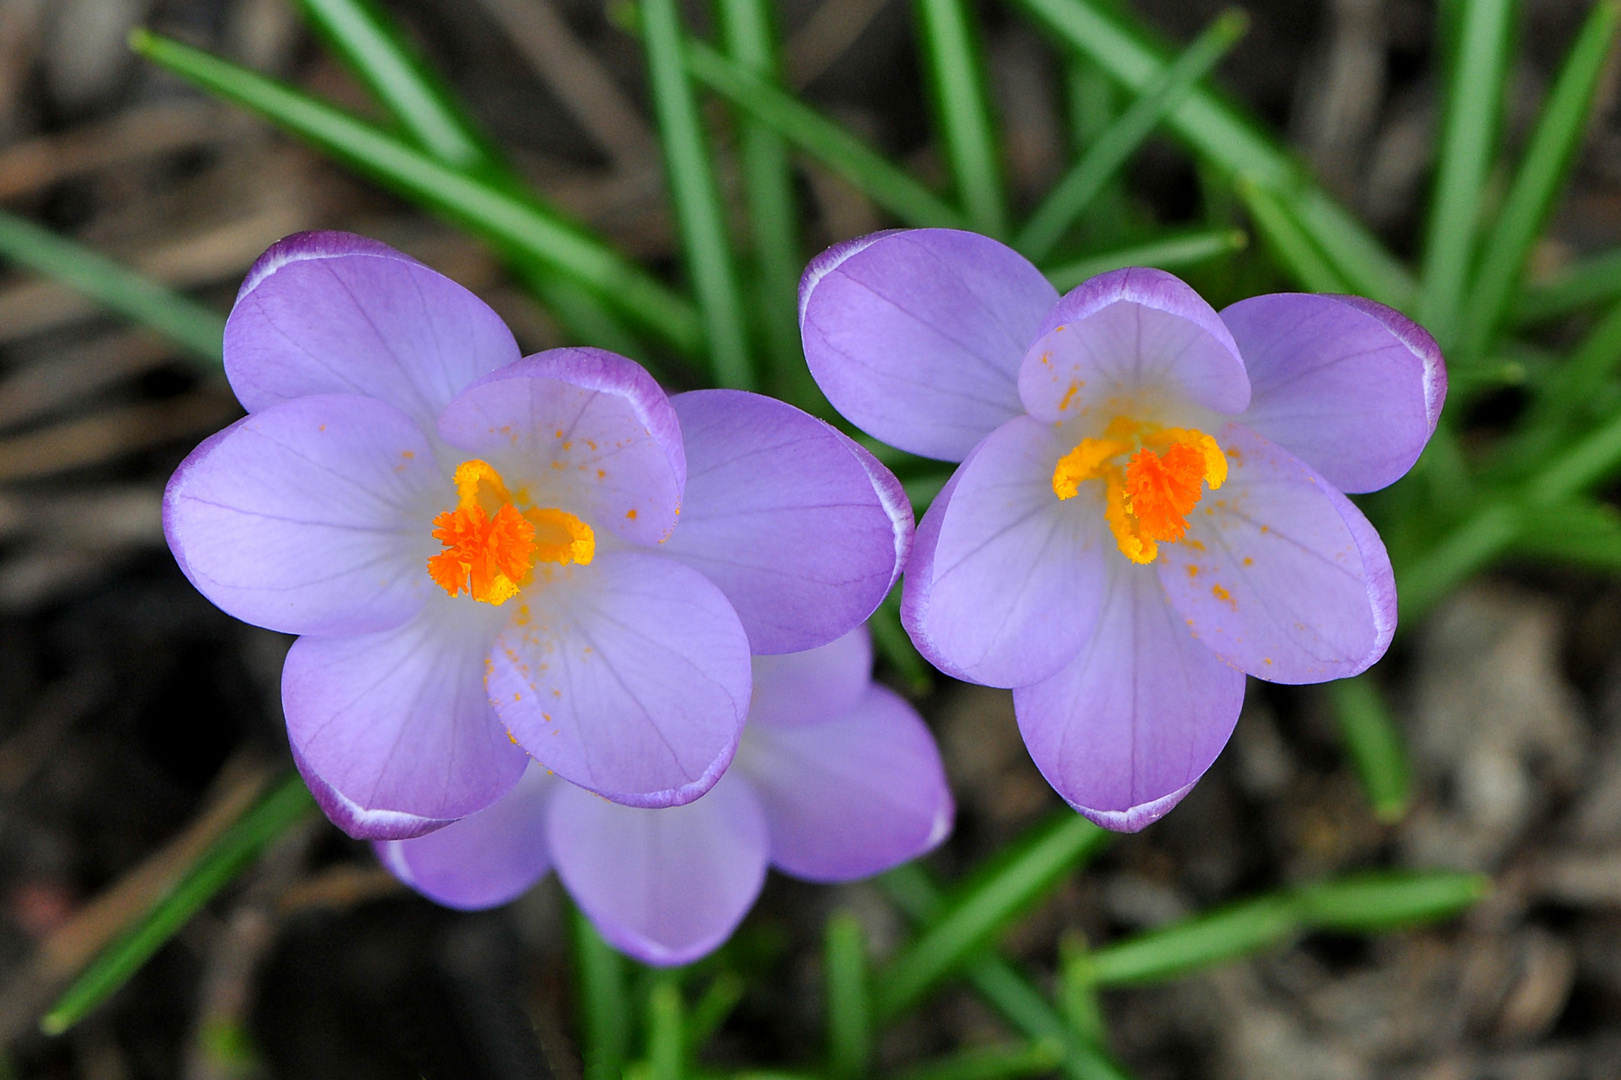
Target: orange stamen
point(491, 546)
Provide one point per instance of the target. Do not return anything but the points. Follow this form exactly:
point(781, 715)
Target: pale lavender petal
point(782, 513)
point(666, 886)
point(1350, 387)
point(1004, 579)
point(397, 725)
point(582, 430)
point(811, 686)
point(1127, 729)
point(484, 859)
point(1275, 576)
point(629, 677)
point(313, 516)
point(335, 313)
point(851, 795)
point(1134, 338)
point(916, 335)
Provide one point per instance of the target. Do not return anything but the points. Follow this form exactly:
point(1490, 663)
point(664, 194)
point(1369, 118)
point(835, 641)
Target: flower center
point(1151, 479)
point(491, 546)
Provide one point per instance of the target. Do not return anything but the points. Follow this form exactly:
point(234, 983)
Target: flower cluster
point(1149, 505)
point(537, 598)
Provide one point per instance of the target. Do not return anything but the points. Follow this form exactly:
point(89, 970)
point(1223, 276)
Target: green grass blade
point(507, 221)
point(710, 1011)
point(1596, 457)
point(363, 36)
point(1583, 535)
point(696, 195)
point(983, 906)
point(666, 1032)
point(889, 637)
point(1465, 550)
point(1291, 245)
point(995, 980)
point(1114, 147)
point(1371, 903)
point(1222, 135)
point(1197, 943)
point(1577, 383)
point(1474, 102)
point(885, 183)
point(198, 330)
point(432, 118)
point(1167, 253)
point(957, 77)
point(279, 809)
point(989, 1063)
point(768, 191)
point(1595, 279)
point(603, 1000)
point(1375, 746)
point(849, 1016)
point(1554, 142)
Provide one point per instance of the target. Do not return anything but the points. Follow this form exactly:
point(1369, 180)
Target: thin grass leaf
point(1375, 746)
point(1596, 457)
point(849, 1017)
point(750, 39)
point(666, 1038)
point(1168, 253)
point(1091, 99)
point(885, 183)
point(1573, 388)
point(1078, 991)
point(710, 1011)
point(396, 75)
point(696, 195)
point(1222, 135)
point(1583, 535)
point(983, 906)
point(505, 220)
point(1360, 904)
point(603, 1000)
point(198, 330)
point(1464, 551)
point(889, 637)
point(279, 809)
point(1002, 987)
point(1120, 140)
point(1291, 245)
point(1595, 279)
point(1554, 141)
point(957, 77)
point(1474, 103)
point(989, 1063)
point(376, 52)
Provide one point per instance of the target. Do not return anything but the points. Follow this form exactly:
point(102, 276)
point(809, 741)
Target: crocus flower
point(481, 551)
point(836, 779)
point(1149, 503)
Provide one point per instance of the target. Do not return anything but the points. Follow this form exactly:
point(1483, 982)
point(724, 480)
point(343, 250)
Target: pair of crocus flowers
point(398, 454)
point(494, 560)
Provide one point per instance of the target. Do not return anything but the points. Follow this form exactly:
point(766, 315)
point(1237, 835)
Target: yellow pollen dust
point(1151, 481)
point(491, 546)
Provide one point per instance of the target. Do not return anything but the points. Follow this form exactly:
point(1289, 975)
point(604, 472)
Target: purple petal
point(1350, 387)
point(483, 860)
point(396, 725)
point(583, 430)
point(629, 677)
point(850, 795)
point(334, 313)
point(1278, 574)
point(1127, 334)
point(811, 686)
point(1005, 579)
point(666, 886)
point(782, 513)
point(1127, 729)
point(313, 516)
point(916, 335)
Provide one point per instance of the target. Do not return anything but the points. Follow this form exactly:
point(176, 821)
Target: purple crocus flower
point(836, 779)
point(1149, 504)
point(481, 551)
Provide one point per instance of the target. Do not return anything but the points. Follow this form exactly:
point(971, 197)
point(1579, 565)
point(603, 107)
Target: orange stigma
point(491, 546)
point(1148, 496)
